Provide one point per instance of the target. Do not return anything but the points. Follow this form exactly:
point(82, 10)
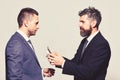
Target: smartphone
point(49, 50)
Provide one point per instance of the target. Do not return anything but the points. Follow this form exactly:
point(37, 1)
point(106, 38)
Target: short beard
point(86, 33)
point(31, 33)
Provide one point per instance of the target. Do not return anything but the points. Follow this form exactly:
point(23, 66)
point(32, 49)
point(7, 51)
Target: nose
point(80, 24)
point(37, 26)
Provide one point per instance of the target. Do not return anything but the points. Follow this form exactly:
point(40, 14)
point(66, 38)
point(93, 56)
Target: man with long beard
point(92, 57)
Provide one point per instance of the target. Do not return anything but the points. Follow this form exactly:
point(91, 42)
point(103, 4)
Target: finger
point(52, 55)
point(49, 57)
point(52, 63)
point(50, 60)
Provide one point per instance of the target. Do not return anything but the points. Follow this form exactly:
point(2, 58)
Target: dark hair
point(23, 13)
point(92, 13)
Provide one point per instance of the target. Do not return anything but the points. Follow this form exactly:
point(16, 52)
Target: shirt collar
point(92, 36)
point(23, 34)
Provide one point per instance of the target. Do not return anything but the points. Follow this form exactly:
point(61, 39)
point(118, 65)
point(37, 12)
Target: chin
point(33, 34)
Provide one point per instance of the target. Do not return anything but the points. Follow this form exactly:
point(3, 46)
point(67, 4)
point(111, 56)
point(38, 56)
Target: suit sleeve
point(96, 62)
point(14, 58)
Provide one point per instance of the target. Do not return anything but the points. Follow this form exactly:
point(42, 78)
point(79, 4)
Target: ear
point(93, 23)
point(25, 22)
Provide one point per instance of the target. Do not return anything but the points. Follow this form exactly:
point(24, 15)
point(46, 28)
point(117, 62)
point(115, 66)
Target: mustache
point(81, 28)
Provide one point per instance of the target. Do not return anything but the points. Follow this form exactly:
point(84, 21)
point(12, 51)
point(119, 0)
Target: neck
point(24, 30)
point(94, 30)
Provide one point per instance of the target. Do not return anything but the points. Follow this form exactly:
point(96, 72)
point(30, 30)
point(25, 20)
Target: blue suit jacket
point(94, 62)
point(21, 61)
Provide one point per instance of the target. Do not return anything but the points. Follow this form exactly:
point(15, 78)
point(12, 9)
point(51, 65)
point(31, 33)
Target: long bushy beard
point(85, 33)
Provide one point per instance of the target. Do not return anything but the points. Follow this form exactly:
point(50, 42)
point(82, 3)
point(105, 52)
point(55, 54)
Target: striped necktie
point(30, 43)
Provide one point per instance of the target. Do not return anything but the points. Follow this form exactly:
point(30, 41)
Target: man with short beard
point(92, 57)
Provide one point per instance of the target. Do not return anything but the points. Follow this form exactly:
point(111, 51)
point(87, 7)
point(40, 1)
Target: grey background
point(59, 29)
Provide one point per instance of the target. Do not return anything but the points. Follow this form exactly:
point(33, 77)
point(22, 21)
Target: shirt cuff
point(42, 73)
point(63, 64)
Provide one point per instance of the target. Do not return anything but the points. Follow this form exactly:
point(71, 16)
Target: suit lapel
point(29, 48)
point(32, 52)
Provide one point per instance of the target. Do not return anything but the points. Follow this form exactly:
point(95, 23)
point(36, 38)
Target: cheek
point(87, 25)
point(32, 26)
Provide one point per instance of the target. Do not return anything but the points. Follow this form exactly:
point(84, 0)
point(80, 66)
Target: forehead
point(83, 17)
point(34, 17)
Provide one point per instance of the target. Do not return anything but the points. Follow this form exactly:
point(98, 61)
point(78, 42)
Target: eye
point(36, 23)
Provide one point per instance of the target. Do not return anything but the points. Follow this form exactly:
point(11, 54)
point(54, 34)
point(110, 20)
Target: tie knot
point(85, 41)
point(30, 41)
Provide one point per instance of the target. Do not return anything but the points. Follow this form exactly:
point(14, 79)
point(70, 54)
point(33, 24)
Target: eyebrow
point(82, 21)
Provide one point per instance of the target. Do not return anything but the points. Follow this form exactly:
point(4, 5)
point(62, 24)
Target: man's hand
point(48, 72)
point(55, 59)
